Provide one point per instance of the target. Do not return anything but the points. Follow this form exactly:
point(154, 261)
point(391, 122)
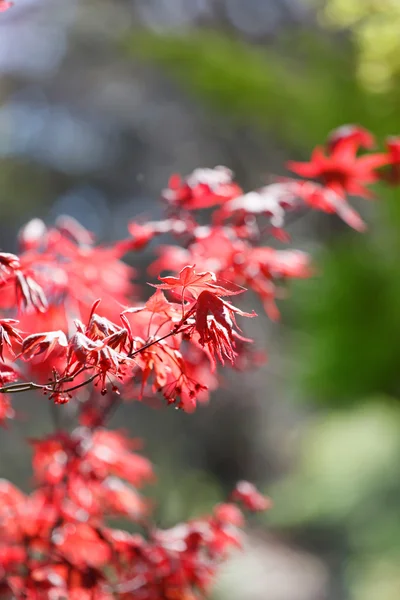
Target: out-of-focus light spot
point(376, 77)
point(343, 12)
point(33, 231)
point(374, 26)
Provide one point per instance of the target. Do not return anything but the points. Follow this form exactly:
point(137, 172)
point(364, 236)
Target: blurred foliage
point(376, 578)
point(374, 25)
point(195, 496)
point(347, 472)
point(347, 463)
point(350, 321)
point(300, 88)
point(20, 183)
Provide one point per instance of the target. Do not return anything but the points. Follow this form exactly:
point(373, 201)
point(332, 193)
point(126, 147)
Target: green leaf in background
point(350, 322)
point(348, 460)
point(346, 481)
point(300, 89)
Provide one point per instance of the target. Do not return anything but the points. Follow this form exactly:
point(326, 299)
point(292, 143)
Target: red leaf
point(6, 410)
point(215, 322)
point(7, 374)
point(4, 5)
point(341, 170)
point(250, 497)
point(195, 283)
point(350, 134)
point(81, 545)
point(7, 332)
point(202, 188)
point(29, 293)
point(43, 343)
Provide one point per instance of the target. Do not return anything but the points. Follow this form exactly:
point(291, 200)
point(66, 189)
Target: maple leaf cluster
point(55, 543)
point(73, 327)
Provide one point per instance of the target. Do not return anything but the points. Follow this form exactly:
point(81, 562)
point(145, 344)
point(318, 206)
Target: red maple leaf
point(44, 343)
point(157, 304)
point(111, 450)
point(195, 283)
point(341, 169)
point(201, 189)
point(81, 545)
point(359, 136)
point(215, 322)
point(330, 201)
point(7, 333)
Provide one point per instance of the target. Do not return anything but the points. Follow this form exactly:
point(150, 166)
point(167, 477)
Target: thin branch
point(82, 384)
point(152, 342)
point(54, 385)
point(15, 388)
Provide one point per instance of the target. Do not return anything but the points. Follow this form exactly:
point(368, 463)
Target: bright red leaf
point(341, 169)
point(195, 283)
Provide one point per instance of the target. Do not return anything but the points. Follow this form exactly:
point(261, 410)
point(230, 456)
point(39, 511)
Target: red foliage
point(248, 495)
point(4, 5)
point(350, 134)
point(58, 338)
point(341, 170)
point(201, 189)
point(392, 174)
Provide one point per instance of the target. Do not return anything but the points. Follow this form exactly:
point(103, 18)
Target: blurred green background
point(100, 102)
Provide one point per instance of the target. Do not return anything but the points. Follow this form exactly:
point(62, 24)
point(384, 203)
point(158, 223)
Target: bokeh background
point(100, 100)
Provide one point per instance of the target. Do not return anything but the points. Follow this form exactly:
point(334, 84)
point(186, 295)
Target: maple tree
point(72, 320)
